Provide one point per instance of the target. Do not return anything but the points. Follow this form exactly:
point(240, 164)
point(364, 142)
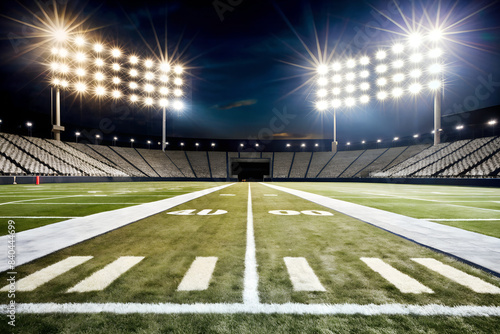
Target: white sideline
point(251, 279)
point(198, 276)
point(472, 247)
point(301, 274)
point(33, 281)
point(289, 308)
point(38, 242)
point(107, 275)
point(474, 283)
point(403, 282)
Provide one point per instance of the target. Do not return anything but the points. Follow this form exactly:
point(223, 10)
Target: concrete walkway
point(35, 243)
point(474, 248)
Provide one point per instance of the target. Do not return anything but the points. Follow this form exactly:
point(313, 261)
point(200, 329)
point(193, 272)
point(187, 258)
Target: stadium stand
point(117, 160)
point(339, 163)
point(135, 159)
point(181, 162)
point(34, 156)
point(199, 163)
point(162, 165)
point(300, 164)
point(218, 164)
point(318, 162)
point(366, 158)
point(282, 164)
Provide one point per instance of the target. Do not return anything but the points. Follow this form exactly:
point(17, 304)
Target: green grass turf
point(332, 246)
point(420, 201)
point(78, 200)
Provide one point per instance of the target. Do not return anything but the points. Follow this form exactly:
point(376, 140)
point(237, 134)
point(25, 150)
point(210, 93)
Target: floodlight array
point(82, 67)
point(405, 68)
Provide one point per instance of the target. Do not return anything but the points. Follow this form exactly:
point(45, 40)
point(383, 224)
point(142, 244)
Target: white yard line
point(289, 308)
point(474, 283)
point(35, 243)
point(33, 281)
point(251, 279)
point(101, 203)
point(227, 195)
point(302, 275)
point(403, 282)
point(107, 275)
point(461, 220)
point(36, 217)
point(38, 199)
point(197, 278)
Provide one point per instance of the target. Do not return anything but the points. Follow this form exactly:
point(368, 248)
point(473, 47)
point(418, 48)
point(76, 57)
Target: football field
point(245, 258)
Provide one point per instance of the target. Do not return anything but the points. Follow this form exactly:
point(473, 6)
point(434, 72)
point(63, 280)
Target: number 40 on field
point(211, 212)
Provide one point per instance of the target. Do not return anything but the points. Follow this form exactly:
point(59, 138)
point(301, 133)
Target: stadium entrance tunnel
point(250, 169)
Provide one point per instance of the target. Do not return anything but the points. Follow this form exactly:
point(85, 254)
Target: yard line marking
point(270, 195)
point(198, 276)
point(101, 203)
point(474, 283)
point(38, 217)
point(251, 279)
point(288, 308)
point(403, 282)
point(301, 274)
point(107, 275)
point(33, 281)
point(227, 195)
point(38, 199)
point(461, 220)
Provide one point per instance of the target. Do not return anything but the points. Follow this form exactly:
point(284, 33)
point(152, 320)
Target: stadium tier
point(34, 156)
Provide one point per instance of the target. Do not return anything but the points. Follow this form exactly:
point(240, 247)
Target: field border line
point(237, 308)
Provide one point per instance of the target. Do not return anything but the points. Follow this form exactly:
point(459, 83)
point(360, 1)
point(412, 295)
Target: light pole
point(77, 134)
point(149, 144)
point(97, 137)
point(132, 142)
point(29, 125)
point(114, 140)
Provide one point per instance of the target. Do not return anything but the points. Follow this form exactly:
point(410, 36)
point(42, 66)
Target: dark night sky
point(238, 68)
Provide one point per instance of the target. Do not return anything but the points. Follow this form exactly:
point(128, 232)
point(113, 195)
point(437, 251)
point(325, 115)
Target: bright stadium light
point(115, 67)
point(415, 88)
point(100, 91)
point(336, 103)
point(148, 63)
point(148, 101)
point(435, 68)
point(351, 63)
point(380, 55)
point(116, 80)
point(381, 82)
point(350, 102)
point(178, 92)
point(398, 77)
point(163, 103)
point(98, 47)
point(321, 105)
point(54, 51)
point(149, 76)
point(149, 88)
point(116, 53)
point(64, 83)
point(398, 63)
point(322, 81)
point(80, 41)
point(116, 94)
point(434, 84)
point(164, 90)
point(322, 92)
point(81, 87)
point(165, 67)
point(133, 73)
point(364, 60)
point(364, 86)
point(134, 98)
point(337, 78)
point(80, 72)
point(350, 76)
point(414, 40)
point(336, 66)
point(379, 140)
point(381, 68)
point(492, 122)
point(416, 73)
point(364, 99)
point(435, 53)
point(350, 88)
point(416, 58)
point(163, 78)
point(336, 91)
point(64, 69)
point(60, 35)
point(99, 62)
point(397, 92)
point(178, 105)
point(416, 136)
point(134, 60)
point(63, 53)
point(133, 85)
point(364, 74)
point(99, 76)
point(322, 69)
point(459, 127)
point(396, 138)
point(435, 35)
point(382, 95)
point(178, 81)
point(398, 48)
point(80, 57)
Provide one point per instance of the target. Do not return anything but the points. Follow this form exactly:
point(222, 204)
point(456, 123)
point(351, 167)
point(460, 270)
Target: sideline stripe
point(301, 274)
point(38, 199)
point(199, 274)
point(107, 275)
point(16, 217)
point(37, 242)
point(461, 220)
point(403, 282)
point(474, 283)
point(227, 195)
point(33, 281)
point(289, 308)
point(251, 279)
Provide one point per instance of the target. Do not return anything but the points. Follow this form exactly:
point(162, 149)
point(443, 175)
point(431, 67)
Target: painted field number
point(192, 212)
point(305, 212)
